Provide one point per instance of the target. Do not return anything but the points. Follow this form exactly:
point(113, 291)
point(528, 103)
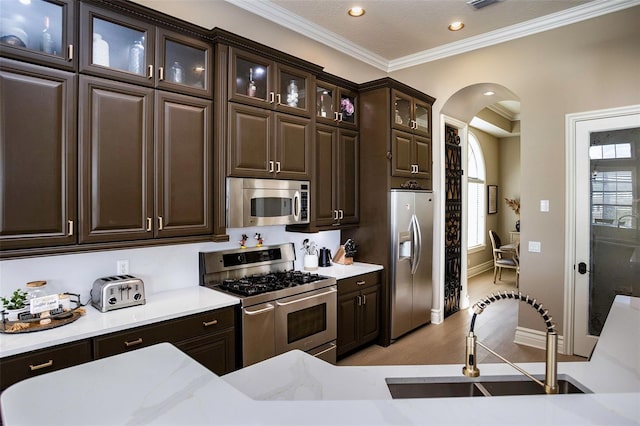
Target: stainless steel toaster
point(118, 291)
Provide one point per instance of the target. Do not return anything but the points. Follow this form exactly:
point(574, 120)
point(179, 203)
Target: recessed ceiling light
point(356, 11)
point(456, 26)
point(489, 93)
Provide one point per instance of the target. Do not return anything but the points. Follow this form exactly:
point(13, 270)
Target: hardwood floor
point(445, 343)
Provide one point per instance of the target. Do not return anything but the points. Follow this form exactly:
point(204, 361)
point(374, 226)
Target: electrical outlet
point(535, 246)
point(122, 267)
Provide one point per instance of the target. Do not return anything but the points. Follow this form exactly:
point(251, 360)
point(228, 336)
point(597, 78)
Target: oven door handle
point(313, 296)
point(269, 307)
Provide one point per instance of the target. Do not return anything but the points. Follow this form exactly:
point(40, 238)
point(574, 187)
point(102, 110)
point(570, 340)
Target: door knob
point(582, 268)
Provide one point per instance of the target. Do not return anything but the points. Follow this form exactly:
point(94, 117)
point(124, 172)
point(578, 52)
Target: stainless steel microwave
point(263, 202)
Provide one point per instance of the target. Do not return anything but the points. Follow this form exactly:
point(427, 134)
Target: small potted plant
point(15, 305)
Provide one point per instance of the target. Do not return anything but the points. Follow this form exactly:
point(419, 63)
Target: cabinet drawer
point(358, 282)
point(19, 367)
point(170, 331)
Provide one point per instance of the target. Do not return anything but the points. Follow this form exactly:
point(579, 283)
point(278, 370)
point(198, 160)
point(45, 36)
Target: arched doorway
point(471, 106)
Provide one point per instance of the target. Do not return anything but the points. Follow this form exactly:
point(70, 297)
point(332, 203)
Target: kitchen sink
point(448, 387)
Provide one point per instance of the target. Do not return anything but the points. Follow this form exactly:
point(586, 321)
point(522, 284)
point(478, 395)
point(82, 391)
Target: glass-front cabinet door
point(292, 94)
point(184, 64)
point(249, 79)
point(116, 46)
point(38, 31)
point(335, 105)
point(254, 80)
point(402, 111)
point(422, 117)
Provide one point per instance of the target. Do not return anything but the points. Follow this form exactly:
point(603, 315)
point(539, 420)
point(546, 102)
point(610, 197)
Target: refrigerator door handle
point(417, 244)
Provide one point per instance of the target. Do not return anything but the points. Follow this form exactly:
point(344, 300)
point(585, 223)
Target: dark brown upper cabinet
point(336, 177)
point(39, 31)
point(38, 161)
point(124, 193)
point(411, 114)
point(267, 144)
point(257, 81)
point(336, 105)
point(411, 155)
point(122, 48)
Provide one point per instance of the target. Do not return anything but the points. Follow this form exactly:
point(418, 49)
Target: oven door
point(306, 321)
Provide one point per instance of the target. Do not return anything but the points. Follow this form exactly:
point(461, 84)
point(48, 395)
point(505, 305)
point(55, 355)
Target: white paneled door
point(603, 212)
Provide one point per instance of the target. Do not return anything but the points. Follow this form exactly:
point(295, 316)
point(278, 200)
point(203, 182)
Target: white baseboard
point(535, 339)
point(437, 316)
point(478, 269)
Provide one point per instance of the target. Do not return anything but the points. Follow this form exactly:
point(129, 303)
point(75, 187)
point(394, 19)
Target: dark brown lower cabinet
point(19, 367)
point(358, 311)
point(208, 337)
point(38, 160)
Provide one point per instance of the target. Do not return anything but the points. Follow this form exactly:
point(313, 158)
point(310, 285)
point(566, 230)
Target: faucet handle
point(470, 368)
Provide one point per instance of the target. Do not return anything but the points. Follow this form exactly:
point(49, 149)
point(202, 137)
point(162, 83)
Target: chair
point(504, 257)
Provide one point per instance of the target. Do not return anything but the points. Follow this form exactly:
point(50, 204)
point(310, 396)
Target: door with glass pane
point(607, 205)
point(40, 31)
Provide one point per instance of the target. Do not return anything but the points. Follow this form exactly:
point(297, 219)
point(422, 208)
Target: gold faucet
point(471, 369)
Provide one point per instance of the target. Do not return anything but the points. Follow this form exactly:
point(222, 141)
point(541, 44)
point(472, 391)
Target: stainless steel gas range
point(282, 309)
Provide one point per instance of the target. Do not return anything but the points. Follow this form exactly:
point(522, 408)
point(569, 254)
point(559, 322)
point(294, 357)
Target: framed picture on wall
point(492, 199)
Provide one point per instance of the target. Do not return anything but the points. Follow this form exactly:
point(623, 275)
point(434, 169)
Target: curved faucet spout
point(471, 369)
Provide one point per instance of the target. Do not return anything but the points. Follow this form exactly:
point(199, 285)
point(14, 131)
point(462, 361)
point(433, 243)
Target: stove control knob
point(137, 296)
point(113, 301)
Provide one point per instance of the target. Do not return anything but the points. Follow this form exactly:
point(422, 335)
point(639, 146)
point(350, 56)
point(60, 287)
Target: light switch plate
point(544, 205)
point(535, 246)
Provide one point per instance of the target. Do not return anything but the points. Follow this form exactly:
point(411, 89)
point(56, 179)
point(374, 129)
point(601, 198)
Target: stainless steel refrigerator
point(411, 260)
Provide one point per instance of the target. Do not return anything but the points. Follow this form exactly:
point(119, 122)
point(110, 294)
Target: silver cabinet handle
point(271, 166)
point(70, 228)
point(339, 116)
point(160, 223)
point(209, 323)
point(277, 167)
point(363, 282)
point(39, 366)
point(272, 97)
point(279, 99)
point(150, 71)
point(336, 116)
point(341, 214)
point(149, 224)
point(364, 299)
point(359, 300)
point(133, 342)
point(160, 73)
point(269, 307)
point(70, 52)
point(335, 215)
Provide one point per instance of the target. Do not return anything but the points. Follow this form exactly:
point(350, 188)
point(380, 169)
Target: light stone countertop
point(158, 307)
point(161, 385)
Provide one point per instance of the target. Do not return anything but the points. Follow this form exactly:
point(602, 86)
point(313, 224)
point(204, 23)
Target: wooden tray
point(62, 319)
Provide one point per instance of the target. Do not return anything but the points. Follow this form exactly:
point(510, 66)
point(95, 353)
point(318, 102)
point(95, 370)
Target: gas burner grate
point(263, 283)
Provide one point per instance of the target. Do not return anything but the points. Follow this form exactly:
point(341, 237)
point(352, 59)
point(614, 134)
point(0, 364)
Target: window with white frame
point(475, 194)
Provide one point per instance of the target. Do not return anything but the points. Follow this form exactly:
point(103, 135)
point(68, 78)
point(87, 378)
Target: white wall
point(161, 268)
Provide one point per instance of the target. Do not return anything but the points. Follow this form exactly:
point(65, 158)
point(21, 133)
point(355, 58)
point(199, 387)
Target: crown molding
point(283, 17)
point(503, 112)
point(533, 26)
point(293, 22)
